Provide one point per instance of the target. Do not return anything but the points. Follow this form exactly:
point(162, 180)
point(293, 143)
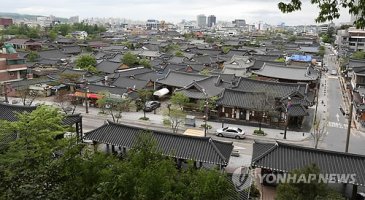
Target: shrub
point(259, 132)
point(166, 122)
point(208, 126)
point(144, 118)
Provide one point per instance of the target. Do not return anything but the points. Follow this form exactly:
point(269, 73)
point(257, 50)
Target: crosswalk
point(337, 125)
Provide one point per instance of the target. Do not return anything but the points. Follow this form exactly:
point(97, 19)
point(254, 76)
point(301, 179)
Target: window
point(12, 74)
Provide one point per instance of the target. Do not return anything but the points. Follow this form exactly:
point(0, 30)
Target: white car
point(333, 72)
point(232, 132)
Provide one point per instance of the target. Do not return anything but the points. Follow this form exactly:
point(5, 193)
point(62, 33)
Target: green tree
point(32, 56)
point(86, 62)
point(176, 117)
point(179, 53)
point(358, 55)
point(322, 51)
point(143, 97)
point(329, 9)
point(179, 99)
point(37, 166)
point(280, 60)
point(226, 49)
point(292, 38)
point(145, 62)
point(24, 163)
point(113, 106)
point(306, 191)
point(130, 59)
point(327, 39)
point(52, 35)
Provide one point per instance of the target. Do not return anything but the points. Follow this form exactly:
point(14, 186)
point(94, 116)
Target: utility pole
point(287, 117)
point(86, 97)
point(5, 91)
point(349, 127)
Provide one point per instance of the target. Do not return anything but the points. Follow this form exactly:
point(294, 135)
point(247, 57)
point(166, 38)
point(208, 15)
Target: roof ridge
point(275, 145)
point(155, 131)
point(211, 142)
point(320, 150)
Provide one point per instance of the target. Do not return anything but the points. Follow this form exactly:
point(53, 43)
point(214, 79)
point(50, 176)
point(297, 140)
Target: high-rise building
point(212, 20)
point(152, 24)
point(74, 19)
point(239, 23)
point(202, 21)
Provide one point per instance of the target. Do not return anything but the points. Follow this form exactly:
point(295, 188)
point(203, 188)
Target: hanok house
point(8, 112)
point(253, 101)
point(204, 151)
point(12, 68)
point(271, 159)
point(25, 44)
point(174, 79)
point(289, 73)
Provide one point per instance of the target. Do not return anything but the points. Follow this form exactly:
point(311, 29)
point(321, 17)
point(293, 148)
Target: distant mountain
point(17, 16)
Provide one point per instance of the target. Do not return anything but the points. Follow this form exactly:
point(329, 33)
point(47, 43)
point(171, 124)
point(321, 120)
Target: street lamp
point(205, 117)
point(287, 116)
point(349, 127)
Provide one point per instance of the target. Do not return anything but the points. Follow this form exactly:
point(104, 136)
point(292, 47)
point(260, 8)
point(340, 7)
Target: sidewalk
point(156, 122)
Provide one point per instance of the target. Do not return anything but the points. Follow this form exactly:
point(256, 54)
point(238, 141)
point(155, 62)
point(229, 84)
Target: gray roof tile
point(287, 157)
point(198, 149)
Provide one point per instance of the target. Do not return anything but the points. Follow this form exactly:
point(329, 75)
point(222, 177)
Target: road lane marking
point(338, 117)
point(337, 125)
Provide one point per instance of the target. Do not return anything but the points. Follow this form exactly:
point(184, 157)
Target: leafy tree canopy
point(37, 166)
point(130, 59)
point(358, 55)
point(87, 62)
point(32, 56)
point(329, 9)
point(304, 191)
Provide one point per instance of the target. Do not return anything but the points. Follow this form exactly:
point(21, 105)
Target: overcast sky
point(170, 10)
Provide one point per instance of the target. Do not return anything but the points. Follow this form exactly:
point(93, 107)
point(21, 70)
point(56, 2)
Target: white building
point(80, 35)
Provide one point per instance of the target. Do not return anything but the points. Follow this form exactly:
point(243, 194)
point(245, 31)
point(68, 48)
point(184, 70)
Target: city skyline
point(171, 11)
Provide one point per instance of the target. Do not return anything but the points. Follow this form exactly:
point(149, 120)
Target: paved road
point(337, 123)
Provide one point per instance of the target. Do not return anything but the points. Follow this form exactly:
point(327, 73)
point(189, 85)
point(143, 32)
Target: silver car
point(333, 72)
point(232, 132)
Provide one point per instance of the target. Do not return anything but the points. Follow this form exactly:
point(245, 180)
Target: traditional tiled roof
point(53, 54)
point(354, 63)
point(125, 82)
point(71, 49)
point(26, 82)
point(240, 99)
point(202, 89)
point(112, 90)
point(287, 72)
point(259, 63)
point(200, 149)
point(8, 112)
point(287, 157)
point(133, 71)
point(179, 79)
point(278, 89)
point(107, 66)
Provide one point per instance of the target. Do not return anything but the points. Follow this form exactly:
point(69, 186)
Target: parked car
point(232, 132)
point(333, 72)
point(151, 105)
